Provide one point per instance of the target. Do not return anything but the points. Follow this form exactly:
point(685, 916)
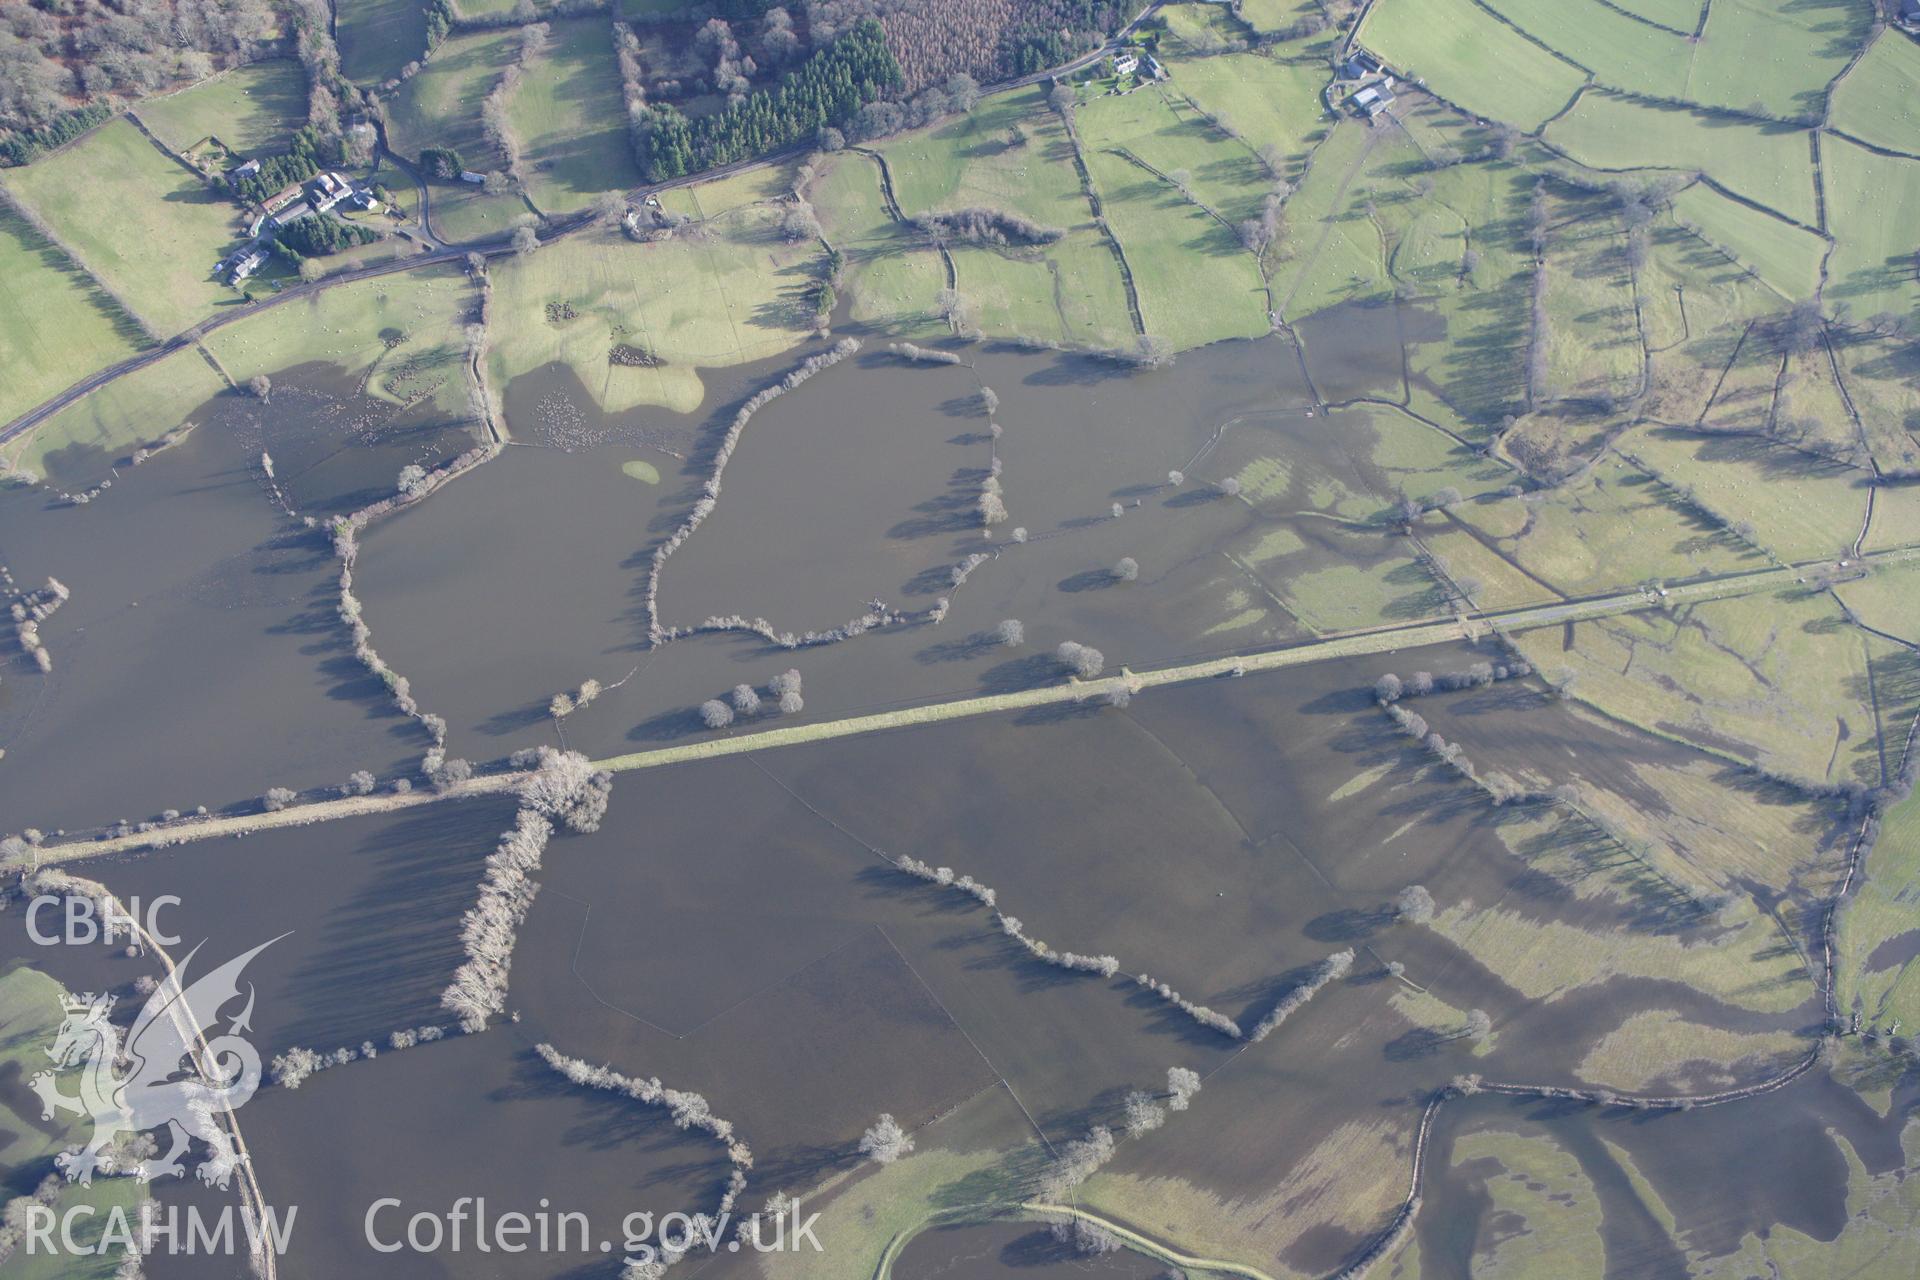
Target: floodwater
point(528, 577)
point(200, 659)
point(734, 927)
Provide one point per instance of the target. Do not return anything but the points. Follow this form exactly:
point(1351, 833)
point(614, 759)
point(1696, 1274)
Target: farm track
point(1386, 639)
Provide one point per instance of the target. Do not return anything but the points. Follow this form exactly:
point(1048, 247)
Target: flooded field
point(194, 597)
point(1640, 917)
point(471, 1116)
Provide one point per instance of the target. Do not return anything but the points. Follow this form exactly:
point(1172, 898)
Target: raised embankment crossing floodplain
point(1324, 648)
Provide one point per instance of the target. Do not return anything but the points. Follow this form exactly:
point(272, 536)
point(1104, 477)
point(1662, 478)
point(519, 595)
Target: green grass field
point(1168, 134)
point(703, 200)
point(1622, 52)
point(378, 38)
point(892, 283)
point(974, 161)
point(1474, 375)
point(1677, 15)
point(1200, 28)
point(1453, 45)
point(55, 323)
point(1880, 380)
point(1614, 528)
point(1071, 293)
point(570, 119)
point(1872, 265)
point(1778, 680)
point(1196, 284)
point(1593, 340)
point(75, 446)
point(1879, 101)
point(440, 107)
point(1777, 59)
point(137, 220)
point(1798, 508)
point(1879, 961)
point(1548, 1211)
point(30, 1016)
point(1266, 100)
point(416, 319)
point(253, 109)
point(1787, 257)
point(1330, 251)
point(1276, 15)
point(1768, 164)
point(728, 297)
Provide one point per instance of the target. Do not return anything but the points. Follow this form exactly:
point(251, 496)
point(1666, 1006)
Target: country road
point(1384, 639)
point(453, 252)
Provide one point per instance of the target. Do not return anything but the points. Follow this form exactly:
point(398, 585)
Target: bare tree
point(1144, 1113)
point(1011, 632)
point(1479, 1025)
point(277, 798)
point(291, 1069)
point(261, 385)
point(1414, 904)
point(1126, 569)
point(1084, 1238)
point(1083, 660)
point(746, 701)
point(885, 1142)
point(359, 783)
point(716, 714)
point(1388, 689)
point(1182, 1083)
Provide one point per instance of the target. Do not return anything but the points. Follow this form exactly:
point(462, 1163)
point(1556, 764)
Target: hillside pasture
point(378, 38)
point(137, 220)
point(1621, 51)
point(1593, 339)
point(1795, 506)
point(1469, 57)
point(1872, 266)
point(1785, 256)
point(1331, 251)
point(1879, 100)
point(1195, 281)
point(56, 324)
point(1770, 164)
point(1010, 152)
point(440, 107)
point(1165, 135)
point(1775, 59)
point(572, 125)
point(253, 109)
point(1266, 100)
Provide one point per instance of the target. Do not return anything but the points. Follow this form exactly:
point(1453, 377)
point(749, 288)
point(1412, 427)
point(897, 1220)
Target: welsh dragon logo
point(171, 1073)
